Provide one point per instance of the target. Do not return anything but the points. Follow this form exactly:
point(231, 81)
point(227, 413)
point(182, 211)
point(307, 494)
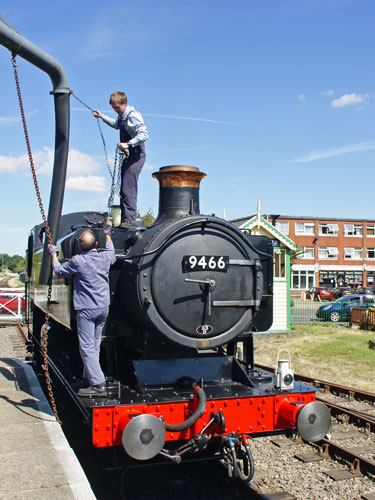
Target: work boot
point(93, 390)
point(127, 224)
point(80, 384)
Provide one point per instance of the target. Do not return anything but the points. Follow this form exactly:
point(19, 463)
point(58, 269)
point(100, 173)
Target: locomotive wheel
point(335, 316)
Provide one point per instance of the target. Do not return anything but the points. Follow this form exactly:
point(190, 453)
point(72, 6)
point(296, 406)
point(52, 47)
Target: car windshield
point(347, 299)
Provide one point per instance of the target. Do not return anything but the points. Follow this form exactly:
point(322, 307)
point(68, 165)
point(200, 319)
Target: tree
point(148, 218)
point(11, 261)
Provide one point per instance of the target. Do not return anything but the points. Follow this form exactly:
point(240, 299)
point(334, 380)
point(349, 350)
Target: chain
point(45, 327)
point(115, 182)
point(100, 132)
point(115, 179)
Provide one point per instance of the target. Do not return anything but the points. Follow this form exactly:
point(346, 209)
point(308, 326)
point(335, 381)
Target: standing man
point(91, 301)
point(133, 134)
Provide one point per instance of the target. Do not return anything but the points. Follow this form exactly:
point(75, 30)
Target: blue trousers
point(130, 169)
point(90, 323)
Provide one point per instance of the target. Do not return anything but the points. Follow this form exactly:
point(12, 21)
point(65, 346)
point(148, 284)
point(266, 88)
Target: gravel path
point(11, 344)
point(277, 469)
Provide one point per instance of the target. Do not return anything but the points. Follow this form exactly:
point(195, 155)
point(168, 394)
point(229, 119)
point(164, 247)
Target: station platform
point(36, 460)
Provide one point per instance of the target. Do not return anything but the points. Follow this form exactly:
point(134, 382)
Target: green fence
point(303, 312)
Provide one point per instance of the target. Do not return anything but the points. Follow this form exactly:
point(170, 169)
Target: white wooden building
point(282, 246)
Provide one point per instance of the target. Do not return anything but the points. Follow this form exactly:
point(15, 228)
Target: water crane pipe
point(17, 44)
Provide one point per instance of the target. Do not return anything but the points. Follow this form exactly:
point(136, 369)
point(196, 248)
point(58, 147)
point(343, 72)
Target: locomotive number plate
point(205, 263)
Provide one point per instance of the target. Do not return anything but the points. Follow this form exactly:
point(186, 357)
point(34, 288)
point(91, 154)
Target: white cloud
point(327, 93)
point(348, 100)
point(10, 120)
point(178, 117)
point(91, 183)
point(329, 153)
point(81, 163)
point(302, 97)
point(78, 163)
point(43, 160)
point(150, 166)
point(10, 164)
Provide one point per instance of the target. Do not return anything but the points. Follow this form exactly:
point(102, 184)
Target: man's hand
point(97, 113)
point(52, 250)
point(107, 227)
point(124, 148)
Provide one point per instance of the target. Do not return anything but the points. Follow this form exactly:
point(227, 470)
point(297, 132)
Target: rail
point(12, 305)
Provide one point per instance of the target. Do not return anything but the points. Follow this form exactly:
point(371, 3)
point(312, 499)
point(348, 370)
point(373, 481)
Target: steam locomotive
point(186, 295)
point(177, 350)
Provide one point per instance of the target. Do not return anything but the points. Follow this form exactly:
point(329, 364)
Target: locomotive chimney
point(179, 191)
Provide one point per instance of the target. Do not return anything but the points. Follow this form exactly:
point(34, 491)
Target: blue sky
point(274, 100)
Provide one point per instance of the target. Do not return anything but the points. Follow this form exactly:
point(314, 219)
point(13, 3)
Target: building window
point(304, 228)
point(328, 229)
point(353, 253)
point(328, 253)
point(305, 253)
point(282, 226)
point(370, 253)
point(370, 231)
point(279, 266)
point(353, 230)
point(302, 280)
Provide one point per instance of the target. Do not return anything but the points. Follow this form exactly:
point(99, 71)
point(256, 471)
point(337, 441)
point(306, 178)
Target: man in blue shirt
point(133, 134)
point(91, 300)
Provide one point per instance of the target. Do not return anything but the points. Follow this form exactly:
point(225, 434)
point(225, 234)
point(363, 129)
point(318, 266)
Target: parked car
point(367, 290)
point(340, 310)
point(322, 293)
point(342, 291)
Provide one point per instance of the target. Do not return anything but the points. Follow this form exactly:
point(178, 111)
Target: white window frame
point(328, 229)
point(372, 250)
point(305, 250)
point(353, 230)
point(372, 227)
point(304, 232)
point(280, 224)
point(279, 264)
point(298, 276)
point(351, 253)
point(328, 253)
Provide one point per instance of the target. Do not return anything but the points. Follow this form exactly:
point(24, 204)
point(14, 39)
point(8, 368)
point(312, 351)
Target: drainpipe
point(17, 44)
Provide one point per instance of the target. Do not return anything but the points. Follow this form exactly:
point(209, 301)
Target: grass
point(325, 351)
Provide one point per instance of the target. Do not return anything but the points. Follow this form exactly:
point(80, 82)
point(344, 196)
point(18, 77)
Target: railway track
point(353, 462)
point(350, 407)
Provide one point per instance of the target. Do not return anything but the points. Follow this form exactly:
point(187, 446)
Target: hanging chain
point(115, 179)
point(45, 327)
point(100, 132)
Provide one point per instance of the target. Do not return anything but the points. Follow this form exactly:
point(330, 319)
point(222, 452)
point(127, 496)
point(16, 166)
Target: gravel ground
point(278, 469)
point(11, 345)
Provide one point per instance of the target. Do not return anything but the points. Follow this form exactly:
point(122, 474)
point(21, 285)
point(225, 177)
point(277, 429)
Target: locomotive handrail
point(207, 220)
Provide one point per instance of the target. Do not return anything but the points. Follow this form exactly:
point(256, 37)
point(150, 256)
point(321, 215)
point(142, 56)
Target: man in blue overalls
point(133, 134)
point(91, 300)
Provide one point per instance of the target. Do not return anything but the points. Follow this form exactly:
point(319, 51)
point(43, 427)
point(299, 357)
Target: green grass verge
point(324, 351)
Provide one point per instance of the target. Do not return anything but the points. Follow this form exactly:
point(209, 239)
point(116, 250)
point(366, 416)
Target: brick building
point(331, 252)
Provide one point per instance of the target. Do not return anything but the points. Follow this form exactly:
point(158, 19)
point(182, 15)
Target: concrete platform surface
point(36, 461)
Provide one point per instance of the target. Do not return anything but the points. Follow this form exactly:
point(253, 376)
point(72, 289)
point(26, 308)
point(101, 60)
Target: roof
point(268, 228)
point(301, 217)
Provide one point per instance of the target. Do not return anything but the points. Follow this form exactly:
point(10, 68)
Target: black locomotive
point(186, 295)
